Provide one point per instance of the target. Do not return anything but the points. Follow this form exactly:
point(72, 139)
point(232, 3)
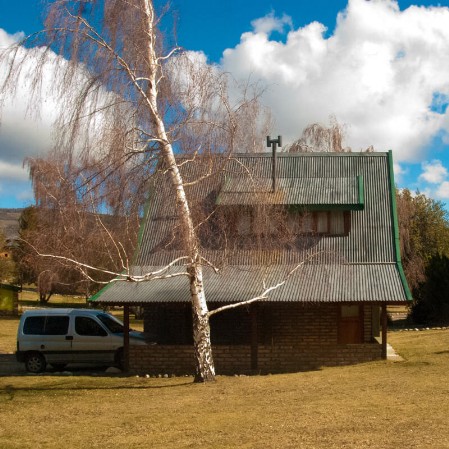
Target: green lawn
point(373, 405)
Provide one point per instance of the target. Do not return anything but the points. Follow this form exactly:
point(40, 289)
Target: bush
point(432, 297)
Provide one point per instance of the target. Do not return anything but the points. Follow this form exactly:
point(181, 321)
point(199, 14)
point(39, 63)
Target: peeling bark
point(204, 363)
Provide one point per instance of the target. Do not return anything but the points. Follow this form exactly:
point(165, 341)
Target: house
point(334, 220)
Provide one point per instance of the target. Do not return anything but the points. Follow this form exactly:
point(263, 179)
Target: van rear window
point(46, 325)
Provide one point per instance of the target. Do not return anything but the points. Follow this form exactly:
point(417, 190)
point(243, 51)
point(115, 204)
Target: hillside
point(9, 222)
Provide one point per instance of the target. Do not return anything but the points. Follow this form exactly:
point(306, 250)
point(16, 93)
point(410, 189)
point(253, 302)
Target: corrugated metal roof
point(366, 272)
point(371, 236)
point(305, 192)
point(311, 283)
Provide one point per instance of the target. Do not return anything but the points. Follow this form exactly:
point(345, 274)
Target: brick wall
point(291, 337)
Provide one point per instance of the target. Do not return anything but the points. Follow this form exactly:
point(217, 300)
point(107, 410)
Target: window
point(114, 326)
point(46, 325)
point(336, 222)
point(322, 222)
point(301, 223)
point(244, 223)
point(87, 326)
point(250, 222)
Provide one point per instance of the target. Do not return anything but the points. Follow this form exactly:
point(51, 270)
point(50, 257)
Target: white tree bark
point(204, 364)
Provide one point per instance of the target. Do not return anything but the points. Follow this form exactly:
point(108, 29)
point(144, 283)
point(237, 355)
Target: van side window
point(87, 326)
point(46, 325)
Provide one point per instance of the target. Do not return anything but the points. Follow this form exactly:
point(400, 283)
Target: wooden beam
point(126, 339)
point(384, 331)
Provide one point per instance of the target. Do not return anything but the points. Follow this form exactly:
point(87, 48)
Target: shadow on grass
point(11, 390)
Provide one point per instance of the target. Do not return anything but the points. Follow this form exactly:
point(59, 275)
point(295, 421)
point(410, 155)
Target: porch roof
point(334, 283)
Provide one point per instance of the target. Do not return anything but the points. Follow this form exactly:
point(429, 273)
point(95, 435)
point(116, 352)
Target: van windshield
point(113, 325)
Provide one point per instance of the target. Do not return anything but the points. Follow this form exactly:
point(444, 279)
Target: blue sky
point(380, 67)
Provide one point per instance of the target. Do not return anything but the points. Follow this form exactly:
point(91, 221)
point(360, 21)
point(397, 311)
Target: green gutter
point(394, 213)
point(97, 295)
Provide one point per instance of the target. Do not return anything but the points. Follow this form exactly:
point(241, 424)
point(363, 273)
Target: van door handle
point(69, 337)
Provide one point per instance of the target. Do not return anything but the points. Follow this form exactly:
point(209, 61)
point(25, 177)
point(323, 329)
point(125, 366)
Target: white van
point(62, 336)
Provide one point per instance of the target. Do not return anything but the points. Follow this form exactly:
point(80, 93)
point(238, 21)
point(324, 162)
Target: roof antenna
point(272, 143)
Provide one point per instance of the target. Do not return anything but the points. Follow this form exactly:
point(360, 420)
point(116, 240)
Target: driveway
point(10, 366)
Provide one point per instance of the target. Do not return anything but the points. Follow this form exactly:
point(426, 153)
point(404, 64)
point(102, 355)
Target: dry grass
point(8, 332)
point(373, 405)
point(30, 298)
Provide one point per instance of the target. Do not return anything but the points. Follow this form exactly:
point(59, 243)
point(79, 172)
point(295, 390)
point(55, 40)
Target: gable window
point(322, 222)
point(244, 223)
point(336, 222)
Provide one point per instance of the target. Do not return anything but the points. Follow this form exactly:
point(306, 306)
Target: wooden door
point(350, 324)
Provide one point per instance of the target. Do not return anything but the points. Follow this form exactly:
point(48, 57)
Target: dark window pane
point(46, 325)
point(34, 325)
point(114, 326)
point(56, 325)
point(87, 326)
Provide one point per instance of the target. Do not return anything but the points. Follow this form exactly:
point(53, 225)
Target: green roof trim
point(394, 212)
point(95, 298)
point(311, 192)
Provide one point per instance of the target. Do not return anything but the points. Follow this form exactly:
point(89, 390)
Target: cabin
point(320, 226)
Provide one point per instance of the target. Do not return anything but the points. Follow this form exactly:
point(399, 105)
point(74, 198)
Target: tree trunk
point(44, 298)
point(204, 363)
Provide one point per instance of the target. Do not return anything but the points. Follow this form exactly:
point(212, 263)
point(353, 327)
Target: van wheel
point(35, 363)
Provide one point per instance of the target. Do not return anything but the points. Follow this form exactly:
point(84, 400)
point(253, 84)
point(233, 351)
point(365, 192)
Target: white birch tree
point(129, 104)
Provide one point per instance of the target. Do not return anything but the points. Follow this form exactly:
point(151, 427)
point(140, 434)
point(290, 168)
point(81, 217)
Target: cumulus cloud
point(383, 72)
point(443, 190)
point(399, 171)
point(12, 171)
point(433, 172)
point(270, 23)
point(27, 128)
point(22, 132)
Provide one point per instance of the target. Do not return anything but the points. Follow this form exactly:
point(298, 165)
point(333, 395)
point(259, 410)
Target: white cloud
point(270, 23)
point(22, 132)
point(380, 73)
point(443, 191)
point(399, 171)
point(29, 132)
point(433, 172)
point(8, 39)
point(12, 171)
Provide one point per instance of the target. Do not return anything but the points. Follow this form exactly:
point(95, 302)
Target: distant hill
point(9, 222)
